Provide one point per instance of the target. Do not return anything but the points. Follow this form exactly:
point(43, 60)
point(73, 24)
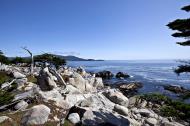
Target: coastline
point(83, 95)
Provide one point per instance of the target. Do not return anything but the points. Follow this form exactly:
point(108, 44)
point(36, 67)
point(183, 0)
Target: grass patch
point(4, 77)
point(32, 79)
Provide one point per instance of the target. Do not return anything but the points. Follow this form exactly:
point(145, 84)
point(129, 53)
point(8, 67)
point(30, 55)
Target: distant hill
point(68, 58)
point(74, 58)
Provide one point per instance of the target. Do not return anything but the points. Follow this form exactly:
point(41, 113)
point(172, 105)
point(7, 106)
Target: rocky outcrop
point(18, 75)
point(37, 115)
point(21, 105)
point(104, 74)
point(74, 118)
point(46, 80)
point(117, 97)
point(75, 95)
point(121, 110)
point(176, 89)
point(122, 75)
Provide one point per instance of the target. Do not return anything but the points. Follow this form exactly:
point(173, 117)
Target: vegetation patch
point(170, 108)
point(4, 77)
point(32, 79)
point(5, 97)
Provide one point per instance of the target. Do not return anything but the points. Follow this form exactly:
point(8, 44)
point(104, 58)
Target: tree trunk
point(32, 60)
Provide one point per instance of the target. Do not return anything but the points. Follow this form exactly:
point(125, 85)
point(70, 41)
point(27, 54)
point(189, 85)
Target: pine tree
point(182, 28)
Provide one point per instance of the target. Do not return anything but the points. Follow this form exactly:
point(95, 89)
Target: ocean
point(152, 73)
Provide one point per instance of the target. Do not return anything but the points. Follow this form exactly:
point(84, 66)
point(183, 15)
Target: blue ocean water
point(152, 73)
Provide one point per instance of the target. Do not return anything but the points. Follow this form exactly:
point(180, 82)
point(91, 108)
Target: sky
point(99, 29)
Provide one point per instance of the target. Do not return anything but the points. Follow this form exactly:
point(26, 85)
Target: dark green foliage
point(3, 58)
point(5, 97)
point(186, 43)
point(180, 25)
point(171, 107)
point(182, 28)
point(20, 60)
point(4, 78)
point(50, 58)
point(182, 69)
point(168, 111)
point(155, 98)
point(186, 8)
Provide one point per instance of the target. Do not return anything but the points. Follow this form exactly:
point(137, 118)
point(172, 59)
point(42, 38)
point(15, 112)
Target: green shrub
point(171, 107)
point(155, 98)
point(168, 111)
point(5, 97)
point(4, 78)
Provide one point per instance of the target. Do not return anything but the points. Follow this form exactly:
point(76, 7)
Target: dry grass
point(32, 79)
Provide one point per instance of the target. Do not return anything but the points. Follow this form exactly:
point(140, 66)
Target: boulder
point(46, 80)
point(122, 75)
point(121, 110)
point(54, 96)
point(37, 115)
point(74, 118)
point(4, 118)
point(21, 105)
point(103, 117)
point(145, 112)
point(97, 101)
point(18, 75)
point(104, 74)
point(73, 99)
point(4, 67)
point(131, 86)
point(117, 97)
point(21, 82)
point(176, 89)
point(69, 89)
point(98, 83)
point(78, 81)
point(151, 121)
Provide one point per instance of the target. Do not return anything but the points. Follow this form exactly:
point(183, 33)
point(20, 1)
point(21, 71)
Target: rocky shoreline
point(70, 96)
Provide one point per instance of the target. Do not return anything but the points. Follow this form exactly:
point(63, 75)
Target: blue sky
point(100, 29)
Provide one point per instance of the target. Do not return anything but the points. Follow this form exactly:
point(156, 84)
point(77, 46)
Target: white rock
point(29, 86)
point(97, 101)
point(143, 104)
point(74, 118)
point(53, 95)
point(4, 118)
point(96, 118)
point(72, 99)
point(145, 112)
point(117, 97)
point(121, 110)
point(78, 81)
point(151, 121)
point(37, 115)
point(21, 105)
point(70, 90)
point(18, 75)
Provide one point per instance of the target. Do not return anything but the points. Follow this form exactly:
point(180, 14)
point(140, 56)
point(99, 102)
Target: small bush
point(4, 78)
point(155, 98)
point(171, 107)
point(5, 97)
